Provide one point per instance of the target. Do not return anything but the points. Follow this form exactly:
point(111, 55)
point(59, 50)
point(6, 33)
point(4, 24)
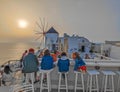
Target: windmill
point(43, 26)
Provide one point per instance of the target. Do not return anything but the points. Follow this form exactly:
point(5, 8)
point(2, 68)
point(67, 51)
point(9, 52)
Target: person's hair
point(63, 54)
point(31, 50)
point(46, 52)
point(7, 69)
point(77, 55)
point(55, 51)
point(26, 51)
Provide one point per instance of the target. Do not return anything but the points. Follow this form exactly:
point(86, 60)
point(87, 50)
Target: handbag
point(82, 68)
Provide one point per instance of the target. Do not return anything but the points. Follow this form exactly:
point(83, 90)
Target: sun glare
point(22, 23)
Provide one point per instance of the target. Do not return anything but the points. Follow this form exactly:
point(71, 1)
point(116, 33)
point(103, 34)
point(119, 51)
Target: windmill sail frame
point(43, 26)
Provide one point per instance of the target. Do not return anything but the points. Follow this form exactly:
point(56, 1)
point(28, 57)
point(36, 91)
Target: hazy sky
point(97, 20)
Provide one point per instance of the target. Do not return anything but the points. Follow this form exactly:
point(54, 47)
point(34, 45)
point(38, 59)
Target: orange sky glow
point(91, 19)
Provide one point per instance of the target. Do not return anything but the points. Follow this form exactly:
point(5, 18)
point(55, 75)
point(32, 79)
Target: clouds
point(97, 20)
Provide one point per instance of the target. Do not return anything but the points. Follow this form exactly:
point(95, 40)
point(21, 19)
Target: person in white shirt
point(7, 75)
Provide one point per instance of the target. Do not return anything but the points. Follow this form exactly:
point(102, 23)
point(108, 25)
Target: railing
point(89, 62)
point(13, 62)
point(5, 60)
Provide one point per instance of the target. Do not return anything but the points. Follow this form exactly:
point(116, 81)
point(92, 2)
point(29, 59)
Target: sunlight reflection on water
point(13, 51)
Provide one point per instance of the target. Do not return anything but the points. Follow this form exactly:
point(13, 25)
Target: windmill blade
point(43, 39)
point(38, 25)
point(40, 43)
point(46, 27)
point(38, 33)
point(39, 37)
point(42, 25)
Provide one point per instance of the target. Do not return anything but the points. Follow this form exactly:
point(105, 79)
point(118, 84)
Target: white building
point(111, 49)
point(66, 43)
point(51, 39)
point(74, 43)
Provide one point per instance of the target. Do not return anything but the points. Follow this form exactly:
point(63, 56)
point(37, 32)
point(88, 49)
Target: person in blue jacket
point(63, 63)
point(78, 62)
point(47, 61)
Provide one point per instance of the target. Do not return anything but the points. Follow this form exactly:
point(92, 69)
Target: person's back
point(78, 62)
point(47, 61)
point(30, 63)
point(63, 63)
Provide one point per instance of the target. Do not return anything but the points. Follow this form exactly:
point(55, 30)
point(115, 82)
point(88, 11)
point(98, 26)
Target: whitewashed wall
point(105, 47)
point(97, 48)
point(72, 45)
point(51, 38)
point(115, 52)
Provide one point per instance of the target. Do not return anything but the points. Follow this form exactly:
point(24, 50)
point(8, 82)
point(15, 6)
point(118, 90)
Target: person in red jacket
point(54, 56)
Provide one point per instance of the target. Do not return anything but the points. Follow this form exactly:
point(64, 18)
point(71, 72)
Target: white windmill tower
point(51, 39)
point(43, 26)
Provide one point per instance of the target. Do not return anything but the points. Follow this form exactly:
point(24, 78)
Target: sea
point(14, 51)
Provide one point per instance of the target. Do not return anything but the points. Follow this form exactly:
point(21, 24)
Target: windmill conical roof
point(52, 30)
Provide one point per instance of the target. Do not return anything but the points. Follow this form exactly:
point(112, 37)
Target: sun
point(22, 23)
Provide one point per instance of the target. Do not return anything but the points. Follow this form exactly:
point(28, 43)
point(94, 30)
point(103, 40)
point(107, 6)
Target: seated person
point(54, 55)
point(79, 63)
point(87, 56)
point(7, 76)
point(63, 63)
point(47, 61)
point(30, 63)
point(40, 55)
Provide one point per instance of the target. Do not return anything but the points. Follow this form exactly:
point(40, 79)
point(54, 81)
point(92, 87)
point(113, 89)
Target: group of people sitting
point(30, 63)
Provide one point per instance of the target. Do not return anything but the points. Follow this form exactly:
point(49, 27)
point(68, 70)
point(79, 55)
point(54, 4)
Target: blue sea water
point(14, 51)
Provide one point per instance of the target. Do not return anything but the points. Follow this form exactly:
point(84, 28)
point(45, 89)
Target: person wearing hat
point(30, 63)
